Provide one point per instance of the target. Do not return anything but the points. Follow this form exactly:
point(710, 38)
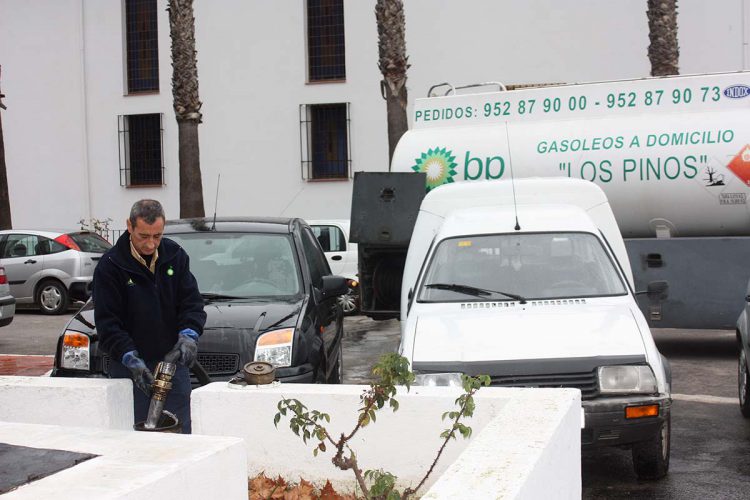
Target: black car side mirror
point(81, 292)
point(334, 286)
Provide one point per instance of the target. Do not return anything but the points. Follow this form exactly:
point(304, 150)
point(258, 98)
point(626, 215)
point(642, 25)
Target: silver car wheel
point(348, 302)
point(50, 297)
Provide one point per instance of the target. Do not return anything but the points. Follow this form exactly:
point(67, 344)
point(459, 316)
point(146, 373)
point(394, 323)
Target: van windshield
point(531, 265)
point(241, 265)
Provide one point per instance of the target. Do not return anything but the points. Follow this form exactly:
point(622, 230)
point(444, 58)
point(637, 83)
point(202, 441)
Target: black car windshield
point(242, 265)
point(531, 265)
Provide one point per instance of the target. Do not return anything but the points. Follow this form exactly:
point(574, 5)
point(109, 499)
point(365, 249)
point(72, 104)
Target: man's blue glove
point(142, 376)
point(187, 344)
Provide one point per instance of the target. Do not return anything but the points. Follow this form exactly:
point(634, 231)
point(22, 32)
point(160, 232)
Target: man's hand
point(142, 376)
point(187, 345)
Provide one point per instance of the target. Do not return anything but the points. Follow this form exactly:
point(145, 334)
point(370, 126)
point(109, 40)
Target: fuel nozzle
point(165, 370)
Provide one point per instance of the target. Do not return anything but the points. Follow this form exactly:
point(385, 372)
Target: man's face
point(146, 237)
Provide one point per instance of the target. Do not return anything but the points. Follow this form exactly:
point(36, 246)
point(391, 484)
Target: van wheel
point(743, 381)
point(651, 458)
point(52, 297)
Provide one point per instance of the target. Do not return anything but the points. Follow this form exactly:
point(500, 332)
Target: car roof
point(280, 225)
point(47, 234)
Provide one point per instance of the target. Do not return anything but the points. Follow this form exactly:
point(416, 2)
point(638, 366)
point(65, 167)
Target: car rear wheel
point(651, 457)
point(743, 379)
point(52, 297)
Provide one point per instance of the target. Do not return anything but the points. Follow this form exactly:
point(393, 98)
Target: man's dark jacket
point(137, 310)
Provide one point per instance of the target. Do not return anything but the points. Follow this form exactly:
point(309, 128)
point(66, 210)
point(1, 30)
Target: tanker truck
point(671, 154)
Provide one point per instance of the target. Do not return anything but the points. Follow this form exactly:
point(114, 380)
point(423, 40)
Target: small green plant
point(98, 226)
point(390, 371)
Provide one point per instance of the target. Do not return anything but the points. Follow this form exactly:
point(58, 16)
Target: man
point(147, 303)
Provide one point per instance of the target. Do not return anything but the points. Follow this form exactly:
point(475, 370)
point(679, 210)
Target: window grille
point(141, 146)
point(142, 48)
point(325, 40)
point(324, 141)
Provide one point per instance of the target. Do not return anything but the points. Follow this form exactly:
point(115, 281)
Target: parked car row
point(269, 295)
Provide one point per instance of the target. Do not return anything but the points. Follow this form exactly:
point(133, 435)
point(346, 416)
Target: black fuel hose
point(200, 373)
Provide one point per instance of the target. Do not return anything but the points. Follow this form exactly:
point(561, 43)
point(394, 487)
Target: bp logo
point(439, 166)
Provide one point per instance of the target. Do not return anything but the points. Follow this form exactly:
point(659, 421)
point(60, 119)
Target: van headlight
point(275, 347)
point(626, 379)
point(438, 379)
point(75, 351)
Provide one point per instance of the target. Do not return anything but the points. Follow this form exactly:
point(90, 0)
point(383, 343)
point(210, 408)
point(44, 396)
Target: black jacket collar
point(121, 255)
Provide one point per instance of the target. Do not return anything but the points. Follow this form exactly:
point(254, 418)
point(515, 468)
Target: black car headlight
point(626, 379)
point(75, 351)
point(275, 347)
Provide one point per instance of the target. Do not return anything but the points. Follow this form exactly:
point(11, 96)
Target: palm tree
point(187, 105)
point(393, 64)
point(5, 222)
point(664, 52)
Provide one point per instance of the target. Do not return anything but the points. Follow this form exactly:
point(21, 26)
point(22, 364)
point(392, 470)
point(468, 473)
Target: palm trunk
point(393, 64)
point(187, 105)
point(5, 220)
point(664, 51)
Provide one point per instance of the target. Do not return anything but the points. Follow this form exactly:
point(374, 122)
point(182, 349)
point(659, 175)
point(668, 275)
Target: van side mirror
point(334, 286)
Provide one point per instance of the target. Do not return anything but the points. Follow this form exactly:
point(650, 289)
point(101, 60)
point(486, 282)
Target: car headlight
point(438, 379)
point(75, 350)
point(626, 379)
point(275, 347)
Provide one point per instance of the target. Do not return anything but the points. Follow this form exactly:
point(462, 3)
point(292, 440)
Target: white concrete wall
point(521, 436)
point(96, 403)
point(63, 74)
point(133, 465)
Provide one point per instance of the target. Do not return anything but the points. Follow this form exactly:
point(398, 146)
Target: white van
point(333, 236)
point(529, 282)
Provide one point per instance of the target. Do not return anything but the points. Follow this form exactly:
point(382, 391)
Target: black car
point(269, 295)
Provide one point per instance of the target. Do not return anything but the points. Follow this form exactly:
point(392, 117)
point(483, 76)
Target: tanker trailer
point(672, 155)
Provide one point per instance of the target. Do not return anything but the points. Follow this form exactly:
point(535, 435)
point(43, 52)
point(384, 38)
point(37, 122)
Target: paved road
point(710, 439)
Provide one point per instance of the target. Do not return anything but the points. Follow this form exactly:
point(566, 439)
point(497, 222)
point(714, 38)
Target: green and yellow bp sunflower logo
point(438, 164)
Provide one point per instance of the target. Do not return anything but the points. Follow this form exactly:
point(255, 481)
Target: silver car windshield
point(244, 265)
point(531, 265)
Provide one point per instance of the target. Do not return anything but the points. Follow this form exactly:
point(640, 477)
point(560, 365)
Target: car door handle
point(336, 257)
point(30, 261)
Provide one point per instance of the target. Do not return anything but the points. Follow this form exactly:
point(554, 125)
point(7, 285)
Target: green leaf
point(315, 452)
point(276, 420)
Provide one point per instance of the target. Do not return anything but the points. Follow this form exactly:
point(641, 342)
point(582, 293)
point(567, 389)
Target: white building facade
point(290, 90)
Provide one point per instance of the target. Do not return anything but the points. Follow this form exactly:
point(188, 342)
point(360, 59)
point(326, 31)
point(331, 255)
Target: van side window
point(315, 259)
point(331, 238)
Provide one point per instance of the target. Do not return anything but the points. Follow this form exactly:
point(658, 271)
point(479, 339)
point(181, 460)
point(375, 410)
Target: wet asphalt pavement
point(710, 438)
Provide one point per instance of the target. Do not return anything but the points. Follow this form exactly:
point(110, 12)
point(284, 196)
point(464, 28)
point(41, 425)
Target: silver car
point(45, 268)
point(7, 302)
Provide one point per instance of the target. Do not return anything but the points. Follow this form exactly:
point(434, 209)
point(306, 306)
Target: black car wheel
point(337, 376)
point(743, 379)
point(651, 457)
point(52, 297)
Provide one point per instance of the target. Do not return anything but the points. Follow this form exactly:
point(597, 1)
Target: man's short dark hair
point(148, 210)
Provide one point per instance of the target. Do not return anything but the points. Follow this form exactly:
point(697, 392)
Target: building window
point(141, 159)
point(325, 40)
point(324, 134)
point(142, 48)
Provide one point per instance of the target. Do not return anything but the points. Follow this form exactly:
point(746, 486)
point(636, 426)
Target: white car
point(333, 236)
point(7, 302)
point(45, 268)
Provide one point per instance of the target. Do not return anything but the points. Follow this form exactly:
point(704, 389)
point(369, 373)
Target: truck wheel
point(651, 457)
point(743, 381)
point(52, 297)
